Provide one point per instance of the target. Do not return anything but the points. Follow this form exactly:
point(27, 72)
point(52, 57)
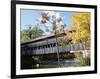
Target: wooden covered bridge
point(47, 48)
point(47, 45)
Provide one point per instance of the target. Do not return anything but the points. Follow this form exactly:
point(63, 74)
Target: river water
point(54, 63)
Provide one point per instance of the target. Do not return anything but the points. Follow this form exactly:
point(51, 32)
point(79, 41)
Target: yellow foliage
point(81, 22)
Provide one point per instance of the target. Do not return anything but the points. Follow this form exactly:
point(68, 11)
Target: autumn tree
point(55, 21)
point(81, 24)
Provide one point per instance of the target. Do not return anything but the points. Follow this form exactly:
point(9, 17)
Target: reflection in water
point(54, 63)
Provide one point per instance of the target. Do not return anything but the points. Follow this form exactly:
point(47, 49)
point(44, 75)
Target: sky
point(29, 17)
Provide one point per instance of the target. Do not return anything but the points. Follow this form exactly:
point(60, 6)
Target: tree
point(36, 31)
point(54, 19)
point(63, 41)
point(24, 35)
point(30, 33)
point(81, 23)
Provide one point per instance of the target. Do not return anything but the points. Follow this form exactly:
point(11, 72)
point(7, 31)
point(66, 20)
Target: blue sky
point(29, 17)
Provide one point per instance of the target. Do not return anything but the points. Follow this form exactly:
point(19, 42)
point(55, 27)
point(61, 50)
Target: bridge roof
point(44, 37)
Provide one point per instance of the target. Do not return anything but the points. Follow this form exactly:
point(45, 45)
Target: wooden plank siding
point(51, 49)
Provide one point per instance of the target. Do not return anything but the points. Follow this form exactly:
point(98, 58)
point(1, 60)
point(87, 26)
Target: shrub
point(82, 62)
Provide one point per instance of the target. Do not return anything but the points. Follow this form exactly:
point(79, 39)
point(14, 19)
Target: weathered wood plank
point(51, 49)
